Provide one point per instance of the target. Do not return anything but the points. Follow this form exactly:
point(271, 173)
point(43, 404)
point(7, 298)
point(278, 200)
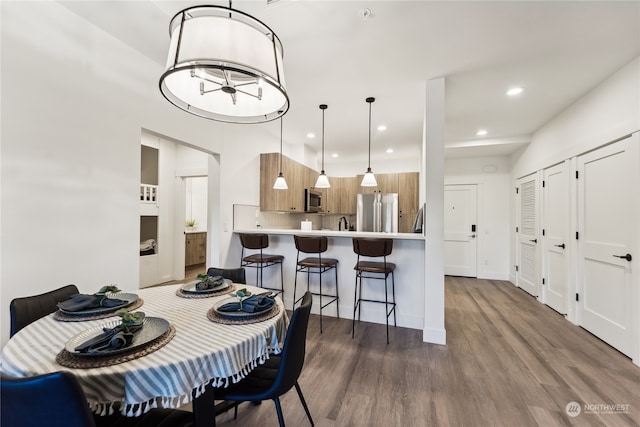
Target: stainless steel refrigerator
point(377, 212)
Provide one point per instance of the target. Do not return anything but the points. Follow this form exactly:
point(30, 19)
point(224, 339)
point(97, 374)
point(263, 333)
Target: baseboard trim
point(434, 336)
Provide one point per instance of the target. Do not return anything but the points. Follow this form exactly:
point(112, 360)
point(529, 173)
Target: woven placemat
point(183, 294)
point(71, 360)
point(64, 317)
point(215, 317)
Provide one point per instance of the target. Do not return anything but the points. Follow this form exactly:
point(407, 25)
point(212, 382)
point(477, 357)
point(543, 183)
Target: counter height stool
point(367, 269)
point(316, 264)
point(259, 260)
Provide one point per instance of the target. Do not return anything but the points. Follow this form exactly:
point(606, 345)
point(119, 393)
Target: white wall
point(75, 101)
point(607, 112)
point(493, 210)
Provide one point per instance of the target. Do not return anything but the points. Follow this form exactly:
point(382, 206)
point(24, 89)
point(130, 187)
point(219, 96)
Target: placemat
point(64, 317)
point(71, 360)
point(183, 294)
point(215, 317)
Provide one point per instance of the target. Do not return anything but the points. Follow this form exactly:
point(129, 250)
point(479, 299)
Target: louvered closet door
point(608, 201)
point(528, 275)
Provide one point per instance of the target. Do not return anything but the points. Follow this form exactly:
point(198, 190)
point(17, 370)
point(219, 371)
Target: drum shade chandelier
point(224, 65)
point(369, 179)
point(323, 181)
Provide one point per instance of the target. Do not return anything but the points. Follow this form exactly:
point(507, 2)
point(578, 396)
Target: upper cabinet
point(340, 198)
point(297, 177)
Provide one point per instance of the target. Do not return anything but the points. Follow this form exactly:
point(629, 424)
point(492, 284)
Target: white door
point(460, 224)
point(528, 274)
point(555, 226)
point(608, 230)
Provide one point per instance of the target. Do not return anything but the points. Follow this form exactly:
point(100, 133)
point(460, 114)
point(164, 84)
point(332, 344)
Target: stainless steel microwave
point(312, 200)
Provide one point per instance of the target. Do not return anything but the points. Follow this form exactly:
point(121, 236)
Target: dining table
point(199, 351)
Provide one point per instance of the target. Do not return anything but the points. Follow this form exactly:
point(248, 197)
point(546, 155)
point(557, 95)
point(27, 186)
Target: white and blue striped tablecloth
point(200, 351)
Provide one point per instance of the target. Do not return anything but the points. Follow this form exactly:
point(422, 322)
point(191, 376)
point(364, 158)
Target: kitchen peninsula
point(408, 255)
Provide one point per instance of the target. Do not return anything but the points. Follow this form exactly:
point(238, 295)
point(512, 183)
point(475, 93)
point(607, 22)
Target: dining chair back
point(280, 372)
point(26, 310)
point(236, 275)
point(54, 400)
point(260, 260)
point(57, 400)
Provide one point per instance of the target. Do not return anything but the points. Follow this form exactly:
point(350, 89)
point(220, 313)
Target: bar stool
point(260, 260)
point(315, 265)
point(374, 248)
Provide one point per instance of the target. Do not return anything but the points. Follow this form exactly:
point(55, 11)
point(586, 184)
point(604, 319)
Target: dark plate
point(153, 328)
point(190, 287)
point(237, 315)
point(127, 300)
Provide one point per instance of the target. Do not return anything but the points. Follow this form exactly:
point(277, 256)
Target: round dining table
point(201, 353)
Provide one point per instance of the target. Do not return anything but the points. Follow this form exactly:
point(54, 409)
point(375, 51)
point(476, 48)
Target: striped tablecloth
point(200, 351)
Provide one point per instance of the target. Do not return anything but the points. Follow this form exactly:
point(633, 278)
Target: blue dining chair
point(26, 310)
point(57, 400)
point(280, 372)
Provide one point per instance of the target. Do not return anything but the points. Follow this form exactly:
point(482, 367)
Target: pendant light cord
point(369, 165)
point(323, 138)
point(280, 145)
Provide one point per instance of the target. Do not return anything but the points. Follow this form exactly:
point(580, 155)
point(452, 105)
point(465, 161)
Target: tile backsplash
point(248, 217)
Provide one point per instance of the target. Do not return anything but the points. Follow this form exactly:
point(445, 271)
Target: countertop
point(333, 233)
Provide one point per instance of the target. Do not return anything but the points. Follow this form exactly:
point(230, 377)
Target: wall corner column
point(433, 182)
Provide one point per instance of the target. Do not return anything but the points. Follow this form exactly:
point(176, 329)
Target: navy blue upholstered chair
point(236, 275)
point(280, 372)
point(29, 309)
point(57, 400)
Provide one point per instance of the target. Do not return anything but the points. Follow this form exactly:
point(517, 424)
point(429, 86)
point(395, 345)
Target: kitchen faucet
point(346, 227)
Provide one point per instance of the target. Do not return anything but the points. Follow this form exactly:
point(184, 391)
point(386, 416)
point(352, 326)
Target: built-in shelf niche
point(148, 235)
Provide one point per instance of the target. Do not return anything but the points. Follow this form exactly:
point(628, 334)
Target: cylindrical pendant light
point(369, 179)
point(280, 183)
point(225, 65)
point(323, 181)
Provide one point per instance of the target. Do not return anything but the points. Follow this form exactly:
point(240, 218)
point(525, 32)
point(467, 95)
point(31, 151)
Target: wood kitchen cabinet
point(290, 200)
point(408, 184)
point(340, 198)
point(195, 250)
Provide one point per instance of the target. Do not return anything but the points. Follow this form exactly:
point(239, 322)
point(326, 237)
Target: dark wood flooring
point(509, 361)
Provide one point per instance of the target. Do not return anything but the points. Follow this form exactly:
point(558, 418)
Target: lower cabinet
point(195, 251)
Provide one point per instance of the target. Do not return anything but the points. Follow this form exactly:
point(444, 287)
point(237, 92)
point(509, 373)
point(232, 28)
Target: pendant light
point(323, 181)
point(224, 65)
point(280, 183)
point(369, 179)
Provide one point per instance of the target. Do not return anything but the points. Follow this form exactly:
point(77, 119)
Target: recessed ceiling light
point(311, 135)
point(389, 150)
point(334, 155)
point(382, 128)
point(514, 91)
point(481, 132)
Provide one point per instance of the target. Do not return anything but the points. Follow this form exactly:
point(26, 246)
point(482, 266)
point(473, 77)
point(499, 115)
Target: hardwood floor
point(509, 361)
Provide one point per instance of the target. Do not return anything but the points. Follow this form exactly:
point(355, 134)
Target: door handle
point(560, 246)
point(534, 240)
point(473, 236)
point(627, 257)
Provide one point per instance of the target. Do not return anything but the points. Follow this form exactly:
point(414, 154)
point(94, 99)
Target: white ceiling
point(557, 51)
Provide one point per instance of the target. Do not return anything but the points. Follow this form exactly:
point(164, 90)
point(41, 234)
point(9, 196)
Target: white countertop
point(333, 233)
